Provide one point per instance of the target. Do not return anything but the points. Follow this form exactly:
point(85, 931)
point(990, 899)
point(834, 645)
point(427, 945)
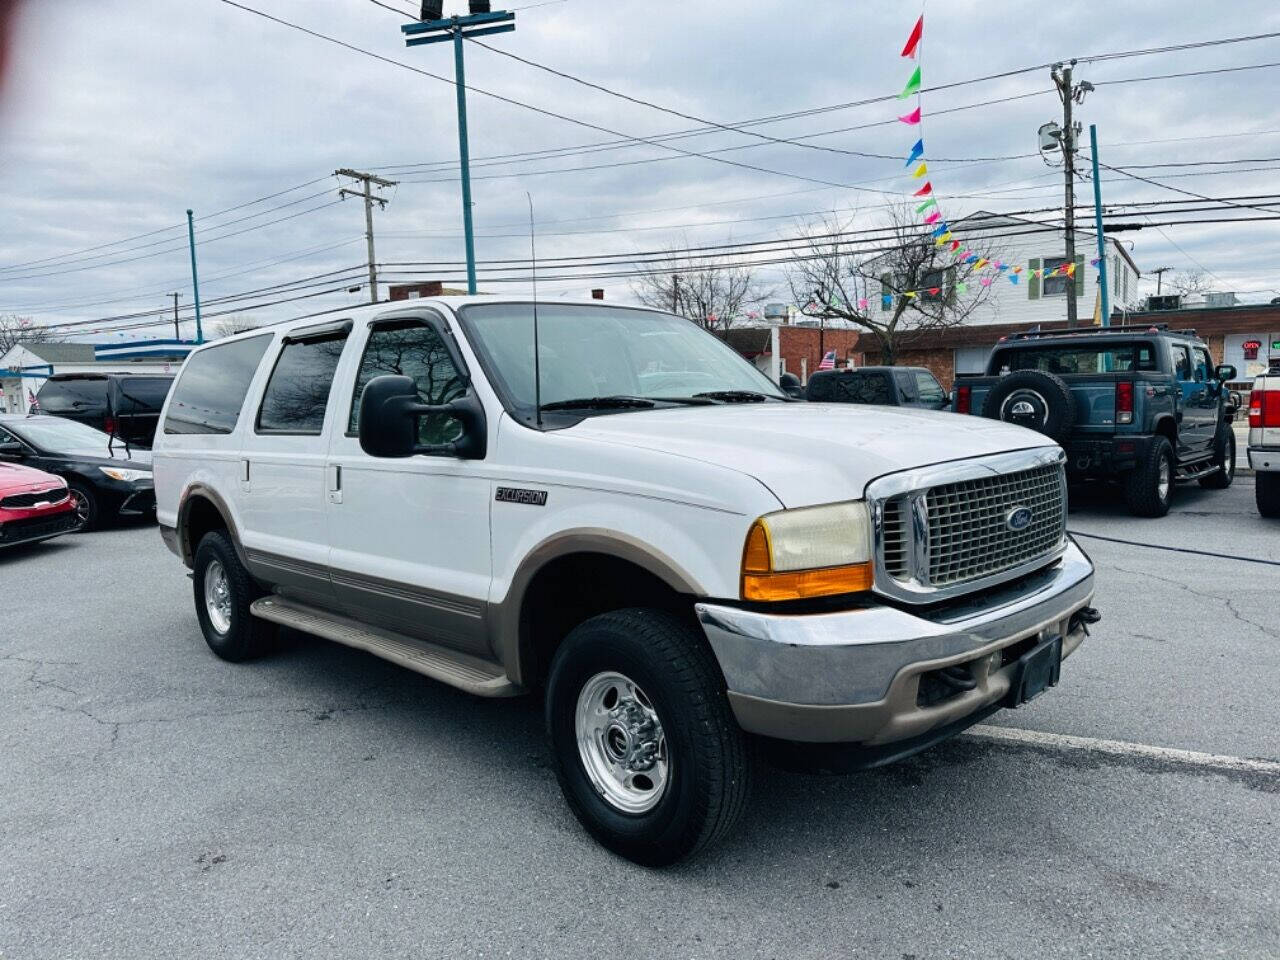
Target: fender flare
point(196, 491)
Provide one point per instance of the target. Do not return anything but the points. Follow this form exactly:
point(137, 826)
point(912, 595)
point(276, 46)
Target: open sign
point(1251, 348)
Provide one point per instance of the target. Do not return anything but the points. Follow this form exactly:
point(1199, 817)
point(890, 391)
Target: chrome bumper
point(853, 676)
point(1264, 459)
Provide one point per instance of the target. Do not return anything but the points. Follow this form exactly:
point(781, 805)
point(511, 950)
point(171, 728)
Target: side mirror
point(10, 448)
point(1226, 372)
point(389, 414)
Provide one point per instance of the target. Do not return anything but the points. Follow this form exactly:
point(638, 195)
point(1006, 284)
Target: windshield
point(1077, 358)
point(587, 351)
point(60, 436)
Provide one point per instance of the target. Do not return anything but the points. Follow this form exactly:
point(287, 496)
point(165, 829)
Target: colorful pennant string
point(913, 41)
point(912, 117)
point(917, 152)
point(913, 85)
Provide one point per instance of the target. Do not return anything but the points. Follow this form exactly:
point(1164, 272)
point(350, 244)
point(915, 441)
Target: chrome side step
point(448, 666)
point(1191, 473)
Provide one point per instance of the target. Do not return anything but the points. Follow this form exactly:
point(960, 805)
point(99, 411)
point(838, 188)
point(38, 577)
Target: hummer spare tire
point(1033, 399)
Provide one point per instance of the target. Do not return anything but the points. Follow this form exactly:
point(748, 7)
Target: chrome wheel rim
point(81, 506)
point(1163, 481)
point(1229, 460)
point(217, 596)
point(621, 743)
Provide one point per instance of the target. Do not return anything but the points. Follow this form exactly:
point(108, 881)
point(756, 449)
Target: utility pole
point(1070, 93)
point(176, 334)
point(195, 276)
point(1160, 272)
point(369, 181)
point(675, 294)
point(434, 27)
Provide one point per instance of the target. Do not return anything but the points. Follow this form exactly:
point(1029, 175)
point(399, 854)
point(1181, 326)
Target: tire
point(1142, 487)
point(1224, 455)
point(87, 507)
point(1033, 399)
point(700, 795)
point(1267, 493)
point(231, 631)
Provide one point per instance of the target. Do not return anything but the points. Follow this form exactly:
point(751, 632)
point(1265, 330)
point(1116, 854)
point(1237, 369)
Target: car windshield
point(608, 352)
point(1066, 359)
point(60, 436)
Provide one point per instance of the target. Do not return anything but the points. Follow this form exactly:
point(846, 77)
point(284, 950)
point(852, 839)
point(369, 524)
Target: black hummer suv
point(1140, 404)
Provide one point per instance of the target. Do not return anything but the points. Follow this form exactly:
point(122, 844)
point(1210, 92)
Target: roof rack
point(1077, 331)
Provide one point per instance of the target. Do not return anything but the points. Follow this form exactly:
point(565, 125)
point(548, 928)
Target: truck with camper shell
point(610, 507)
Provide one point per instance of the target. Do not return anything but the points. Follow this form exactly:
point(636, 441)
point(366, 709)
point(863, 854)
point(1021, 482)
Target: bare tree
point(710, 291)
point(15, 329)
point(1191, 281)
point(231, 325)
point(900, 291)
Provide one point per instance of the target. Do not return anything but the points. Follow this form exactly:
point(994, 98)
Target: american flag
point(828, 361)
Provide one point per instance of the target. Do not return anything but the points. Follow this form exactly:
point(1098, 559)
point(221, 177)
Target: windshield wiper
point(736, 396)
point(600, 403)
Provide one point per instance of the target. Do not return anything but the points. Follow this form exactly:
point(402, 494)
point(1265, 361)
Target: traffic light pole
point(480, 22)
point(1097, 220)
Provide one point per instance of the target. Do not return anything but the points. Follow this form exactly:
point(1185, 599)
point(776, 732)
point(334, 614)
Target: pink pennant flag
point(933, 217)
point(862, 303)
point(913, 41)
point(986, 281)
point(924, 191)
point(912, 117)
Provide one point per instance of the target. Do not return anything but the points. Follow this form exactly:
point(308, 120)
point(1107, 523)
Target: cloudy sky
point(119, 116)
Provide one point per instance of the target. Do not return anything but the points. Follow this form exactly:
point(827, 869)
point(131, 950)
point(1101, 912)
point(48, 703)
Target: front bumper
point(1264, 459)
point(854, 676)
point(39, 526)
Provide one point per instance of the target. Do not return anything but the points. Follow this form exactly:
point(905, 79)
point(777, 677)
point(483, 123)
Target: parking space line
point(1062, 741)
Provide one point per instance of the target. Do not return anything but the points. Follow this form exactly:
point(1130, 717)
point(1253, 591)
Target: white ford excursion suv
point(631, 517)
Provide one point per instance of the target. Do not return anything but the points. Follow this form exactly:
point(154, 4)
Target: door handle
point(335, 483)
point(244, 474)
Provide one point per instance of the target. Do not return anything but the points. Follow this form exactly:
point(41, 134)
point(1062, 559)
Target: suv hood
point(811, 453)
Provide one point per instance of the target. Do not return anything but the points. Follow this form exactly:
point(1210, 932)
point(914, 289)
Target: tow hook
point(1084, 617)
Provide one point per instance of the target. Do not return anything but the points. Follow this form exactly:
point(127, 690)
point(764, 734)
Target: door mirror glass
point(1226, 372)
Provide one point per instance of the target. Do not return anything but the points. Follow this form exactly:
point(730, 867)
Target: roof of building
point(60, 352)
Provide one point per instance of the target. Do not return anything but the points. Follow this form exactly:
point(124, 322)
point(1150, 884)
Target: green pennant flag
point(913, 85)
point(931, 202)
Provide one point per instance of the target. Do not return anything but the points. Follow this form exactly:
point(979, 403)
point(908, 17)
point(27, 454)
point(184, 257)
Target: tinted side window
point(1181, 362)
point(73, 396)
point(140, 394)
point(906, 388)
point(1204, 366)
point(212, 387)
point(930, 390)
point(298, 391)
point(410, 348)
point(865, 388)
point(821, 387)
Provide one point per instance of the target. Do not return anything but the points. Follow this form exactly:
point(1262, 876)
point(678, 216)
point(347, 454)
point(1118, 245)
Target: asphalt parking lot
point(157, 802)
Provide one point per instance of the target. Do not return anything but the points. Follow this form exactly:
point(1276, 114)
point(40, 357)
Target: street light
point(436, 28)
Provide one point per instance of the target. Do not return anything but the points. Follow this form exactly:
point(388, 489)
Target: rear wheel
point(648, 754)
point(1224, 455)
point(223, 593)
point(1267, 493)
point(1148, 489)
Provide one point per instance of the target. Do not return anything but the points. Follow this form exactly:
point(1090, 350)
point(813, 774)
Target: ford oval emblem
point(1019, 518)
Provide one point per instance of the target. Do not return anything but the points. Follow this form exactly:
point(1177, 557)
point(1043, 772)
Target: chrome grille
point(18, 501)
point(969, 536)
point(894, 544)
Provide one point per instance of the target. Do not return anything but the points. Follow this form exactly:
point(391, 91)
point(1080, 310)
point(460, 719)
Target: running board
point(1191, 474)
point(439, 663)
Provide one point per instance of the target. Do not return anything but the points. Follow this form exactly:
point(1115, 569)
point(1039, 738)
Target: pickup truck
point(1264, 439)
point(610, 506)
point(1143, 405)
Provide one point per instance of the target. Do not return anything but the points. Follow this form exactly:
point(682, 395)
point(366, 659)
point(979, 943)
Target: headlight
point(126, 476)
point(808, 552)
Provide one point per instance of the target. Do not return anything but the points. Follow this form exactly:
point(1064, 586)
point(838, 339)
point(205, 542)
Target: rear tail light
point(1124, 401)
point(964, 399)
point(1264, 408)
point(109, 425)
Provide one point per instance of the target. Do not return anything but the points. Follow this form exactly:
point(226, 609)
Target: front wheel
point(1224, 456)
point(1267, 493)
point(647, 751)
point(86, 505)
point(1148, 490)
point(223, 593)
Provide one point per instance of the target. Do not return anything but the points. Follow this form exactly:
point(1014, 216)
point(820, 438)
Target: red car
point(34, 505)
